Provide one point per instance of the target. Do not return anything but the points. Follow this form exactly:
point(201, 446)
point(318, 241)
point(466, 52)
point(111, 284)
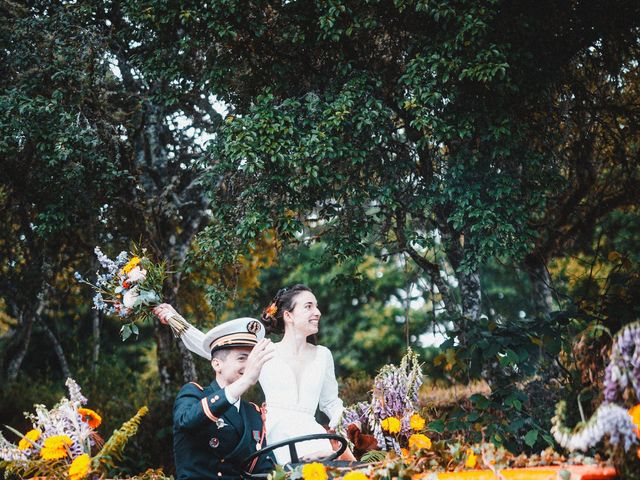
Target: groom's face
point(229, 364)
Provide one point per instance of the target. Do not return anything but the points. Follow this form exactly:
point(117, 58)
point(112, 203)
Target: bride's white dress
point(292, 403)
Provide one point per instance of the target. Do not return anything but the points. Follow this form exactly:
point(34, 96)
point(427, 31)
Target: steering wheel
point(293, 453)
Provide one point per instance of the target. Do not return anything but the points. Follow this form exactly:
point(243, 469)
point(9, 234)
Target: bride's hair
point(284, 301)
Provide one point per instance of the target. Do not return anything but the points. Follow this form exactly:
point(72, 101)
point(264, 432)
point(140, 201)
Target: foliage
point(113, 448)
point(441, 130)
point(92, 153)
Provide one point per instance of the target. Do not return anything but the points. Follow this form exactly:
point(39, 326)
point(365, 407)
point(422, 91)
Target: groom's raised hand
point(260, 354)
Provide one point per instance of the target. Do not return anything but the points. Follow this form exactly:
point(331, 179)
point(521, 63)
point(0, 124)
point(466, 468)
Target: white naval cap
point(241, 332)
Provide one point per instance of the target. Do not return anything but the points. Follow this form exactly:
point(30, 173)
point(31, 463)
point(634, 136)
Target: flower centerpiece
point(129, 286)
point(391, 417)
point(612, 418)
point(63, 441)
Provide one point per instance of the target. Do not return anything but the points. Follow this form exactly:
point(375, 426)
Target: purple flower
point(624, 367)
point(609, 419)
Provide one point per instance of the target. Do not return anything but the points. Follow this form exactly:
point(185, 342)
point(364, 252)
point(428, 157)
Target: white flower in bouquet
point(130, 298)
point(137, 275)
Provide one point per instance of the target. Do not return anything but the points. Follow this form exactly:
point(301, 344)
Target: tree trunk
point(471, 294)
point(173, 365)
point(57, 347)
point(24, 340)
point(95, 340)
point(541, 286)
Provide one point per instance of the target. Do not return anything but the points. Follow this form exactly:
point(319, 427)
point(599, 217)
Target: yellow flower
point(419, 441)
point(355, 475)
point(92, 418)
point(416, 422)
point(391, 425)
point(55, 447)
point(80, 467)
point(32, 435)
point(472, 459)
point(131, 264)
point(314, 471)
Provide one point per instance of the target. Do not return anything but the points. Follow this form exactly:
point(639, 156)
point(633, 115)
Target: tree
point(444, 130)
point(98, 149)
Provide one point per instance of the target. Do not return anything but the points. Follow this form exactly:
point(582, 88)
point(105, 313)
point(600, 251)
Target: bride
point(300, 377)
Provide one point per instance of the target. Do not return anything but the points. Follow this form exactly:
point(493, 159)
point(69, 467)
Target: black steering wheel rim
point(291, 442)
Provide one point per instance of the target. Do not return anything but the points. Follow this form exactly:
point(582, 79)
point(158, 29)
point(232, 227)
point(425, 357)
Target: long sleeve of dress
point(192, 339)
point(329, 402)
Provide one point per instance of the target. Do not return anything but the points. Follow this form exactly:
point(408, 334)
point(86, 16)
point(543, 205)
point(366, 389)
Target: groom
point(213, 429)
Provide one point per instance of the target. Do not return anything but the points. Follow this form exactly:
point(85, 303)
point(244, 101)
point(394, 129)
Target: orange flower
point(404, 452)
point(418, 441)
point(92, 418)
point(271, 310)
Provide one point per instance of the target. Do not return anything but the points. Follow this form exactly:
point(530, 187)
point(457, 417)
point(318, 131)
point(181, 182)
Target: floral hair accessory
point(271, 310)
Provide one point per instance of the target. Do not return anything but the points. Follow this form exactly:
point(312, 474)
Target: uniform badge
point(220, 423)
point(214, 442)
point(256, 435)
point(253, 327)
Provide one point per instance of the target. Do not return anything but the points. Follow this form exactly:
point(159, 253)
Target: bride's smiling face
point(305, 316)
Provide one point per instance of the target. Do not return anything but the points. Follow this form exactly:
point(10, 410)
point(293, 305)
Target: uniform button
point(219, 474)
point(213, 400)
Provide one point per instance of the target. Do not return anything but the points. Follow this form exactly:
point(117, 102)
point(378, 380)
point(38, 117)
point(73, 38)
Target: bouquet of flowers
point(129, 287)
point(391, 417)
point(61, 441)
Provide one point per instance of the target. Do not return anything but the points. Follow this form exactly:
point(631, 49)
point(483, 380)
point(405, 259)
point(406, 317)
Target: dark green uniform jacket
point(211, 438)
